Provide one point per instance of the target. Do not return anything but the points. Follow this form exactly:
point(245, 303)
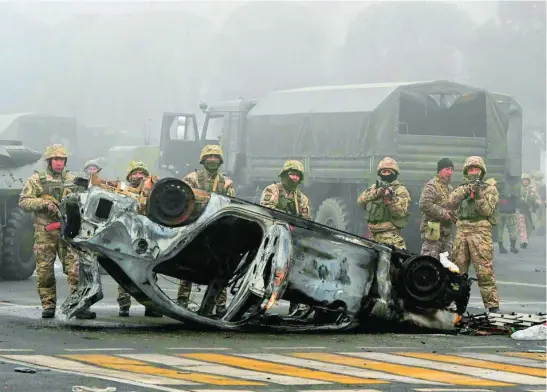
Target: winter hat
point(443, 164)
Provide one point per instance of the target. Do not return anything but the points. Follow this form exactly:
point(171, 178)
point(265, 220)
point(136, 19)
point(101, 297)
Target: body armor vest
point(289, 205)
point(216, 186)
point(377, 212)
point(56, 188)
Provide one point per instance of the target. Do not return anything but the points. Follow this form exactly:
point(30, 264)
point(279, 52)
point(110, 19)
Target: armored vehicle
point(341, 133)
point(17, 163)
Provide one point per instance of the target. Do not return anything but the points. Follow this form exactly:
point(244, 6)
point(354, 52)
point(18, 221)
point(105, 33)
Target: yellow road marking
point(538, 356)
point(276, 368)
point(403, 370)
point(478, 363)
point(131, 365)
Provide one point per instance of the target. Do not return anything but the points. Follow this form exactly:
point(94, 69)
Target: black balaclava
point(392, 176)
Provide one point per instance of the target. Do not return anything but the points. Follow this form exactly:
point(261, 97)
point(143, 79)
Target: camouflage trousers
point(523, 230)
point(391, 237)
point(509, 220)
point(124, 299)
point(47, 246)
point(473, 244)
point(185, 290)
point(435, 248)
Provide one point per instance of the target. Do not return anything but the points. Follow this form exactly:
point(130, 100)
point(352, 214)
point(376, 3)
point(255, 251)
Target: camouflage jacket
point(433, 206)
point(486, 202)
point(398, 204)
point(275, 195)
point(529, 198)
point(203, 180)
point(43, 188)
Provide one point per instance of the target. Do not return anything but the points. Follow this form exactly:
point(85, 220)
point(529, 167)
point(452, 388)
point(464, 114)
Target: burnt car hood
point(262, 256)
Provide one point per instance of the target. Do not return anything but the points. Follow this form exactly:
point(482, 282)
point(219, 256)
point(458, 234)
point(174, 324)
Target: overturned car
point(262, 256)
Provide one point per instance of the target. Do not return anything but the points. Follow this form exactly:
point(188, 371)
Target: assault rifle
point(385, 185)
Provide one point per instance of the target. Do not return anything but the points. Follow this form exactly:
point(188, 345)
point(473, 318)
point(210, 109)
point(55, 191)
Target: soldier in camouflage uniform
point(476, 203)
point(208, 179)
point(386, 205)
point(285, 196)
point(540, 186)
point(42, 195)
point(436, 226)
point(137, 175)
point(508, 196)
point(91, 167)
point(528, 202)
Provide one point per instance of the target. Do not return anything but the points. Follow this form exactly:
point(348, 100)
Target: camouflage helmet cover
point(55, 151)
point(293, 165)
point(136, 165)
point(388, 163)
point(525, 177)
point(91, 163)
point(474, 161)
point(211, 149)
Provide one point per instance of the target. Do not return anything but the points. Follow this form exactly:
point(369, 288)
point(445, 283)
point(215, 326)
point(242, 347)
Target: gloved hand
point(52, 208)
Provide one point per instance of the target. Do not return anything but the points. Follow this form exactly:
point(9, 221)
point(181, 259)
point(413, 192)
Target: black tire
point(18, 259)
point(334, 212)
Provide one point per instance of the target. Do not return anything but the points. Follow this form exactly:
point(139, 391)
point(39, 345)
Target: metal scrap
point(499, 323)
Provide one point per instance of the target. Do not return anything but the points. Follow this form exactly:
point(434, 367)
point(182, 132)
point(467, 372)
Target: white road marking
point(199, 348)
point(15, 349)
point(386, 347)
point(454, 390)
point(481, 347)
point(79, 369)
point(504, 359)
point(489, 374)
point(99, 349)
point(191, 365)
point(525, 284)
point(334, 368)
point(294, 348)
point(342, 390)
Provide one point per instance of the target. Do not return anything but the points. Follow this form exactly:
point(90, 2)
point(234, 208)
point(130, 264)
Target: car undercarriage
point(261, 256)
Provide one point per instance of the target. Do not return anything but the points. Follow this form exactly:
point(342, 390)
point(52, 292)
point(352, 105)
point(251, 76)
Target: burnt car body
point(261, 255)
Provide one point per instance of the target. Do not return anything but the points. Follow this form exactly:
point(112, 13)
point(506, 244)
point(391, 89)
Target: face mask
point(288, 183)
point(135, 182)
point(472, 178)
point(211, 166)
point(388, 178)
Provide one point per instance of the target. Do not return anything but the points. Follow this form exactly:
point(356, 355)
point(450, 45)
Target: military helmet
point(388, 163)
point(55, 151)
point(525, 177)
point(293, 165)
point(474, 161)
point(136, 165)
point(91, 163)
point(211, 149)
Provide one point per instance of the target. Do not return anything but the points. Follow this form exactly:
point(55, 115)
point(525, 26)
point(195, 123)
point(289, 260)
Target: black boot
point(514, 247)
point(494, 310)
point(86, 315)
point(123, 313)
point(524, 245)
point(502, 248)
point(48, 313)
point(148, 312)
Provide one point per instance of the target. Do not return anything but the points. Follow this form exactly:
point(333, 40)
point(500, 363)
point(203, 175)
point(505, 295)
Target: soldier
point(540, 186)
point(386, 205)
point(528, 202)
point(508, 196)
point(285, 196)
point(476, 203)
point(41, 195)
point(436, 226)
point(137, 176)
point(91, 167)
point(208, 179)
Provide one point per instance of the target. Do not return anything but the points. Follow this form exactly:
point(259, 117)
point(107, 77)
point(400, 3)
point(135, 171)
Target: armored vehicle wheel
point(18, 260)
point(333, 212)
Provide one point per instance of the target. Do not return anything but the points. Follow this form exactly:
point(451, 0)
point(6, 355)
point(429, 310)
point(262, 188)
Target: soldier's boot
point(124, 312)
point(494, 310)
point(524, 245)
point(149, 312)
point(86, 315)
point(183, 293)
point(514, 247)
point(502, 248)
point(48, 313)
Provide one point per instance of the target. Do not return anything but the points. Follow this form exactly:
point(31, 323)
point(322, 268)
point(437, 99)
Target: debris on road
point(499, 323)
point(537, 332)
point(24, 370)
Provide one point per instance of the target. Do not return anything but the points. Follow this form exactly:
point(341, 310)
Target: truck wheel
point(333, 212)
point(18, 259)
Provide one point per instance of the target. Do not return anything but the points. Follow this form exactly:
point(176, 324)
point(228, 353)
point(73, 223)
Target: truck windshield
point(215, 127)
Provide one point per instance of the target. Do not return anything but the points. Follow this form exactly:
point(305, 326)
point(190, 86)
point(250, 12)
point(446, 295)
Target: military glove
point(52, 208)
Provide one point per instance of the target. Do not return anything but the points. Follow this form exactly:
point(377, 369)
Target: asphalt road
point(141, 354)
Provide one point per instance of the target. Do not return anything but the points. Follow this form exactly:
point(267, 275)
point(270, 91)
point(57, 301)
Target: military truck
point(341, 133)
point(17, 163)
